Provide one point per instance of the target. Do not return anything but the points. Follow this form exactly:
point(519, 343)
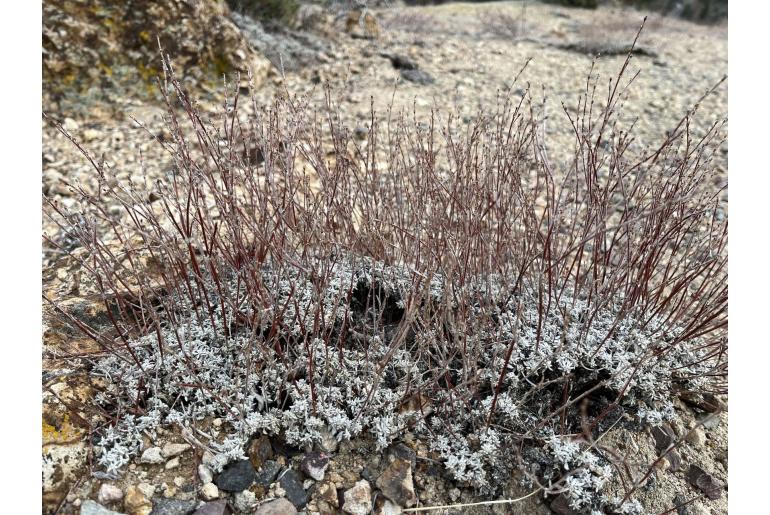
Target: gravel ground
point(465, 49)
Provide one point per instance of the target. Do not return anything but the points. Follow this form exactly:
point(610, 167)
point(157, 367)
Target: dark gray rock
point(267, 474)
point(402, 62)
point(704, 482)
point(561, 506)
point(213, 508)
point(417, 76)
point(593, 49)
point(291, 482)
point(361, 133)
point(282, 448)
point(682, 505)
point(674, 460)
point(664, 436)
point(163, 506)
point(314, 465)
point(703, 401)
point(369, 473)
point(236, 477)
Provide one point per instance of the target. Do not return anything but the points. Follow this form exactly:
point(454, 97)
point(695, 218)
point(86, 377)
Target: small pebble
point(244, 501)
point(152, 456)
point(109, 493)
point(70, 125)
point(276, 507)
point(175, 506)
point(209, 492)
point(696, 437)
point(147, 489)
point(90, 507)
point(136, 502)
point(213, 508)
point(358, 500)
point(205, 474)
point(90, 134)
point(174, 449)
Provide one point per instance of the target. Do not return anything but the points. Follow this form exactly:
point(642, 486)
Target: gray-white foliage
point(363, 387)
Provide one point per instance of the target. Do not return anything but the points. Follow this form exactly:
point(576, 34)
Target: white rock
point(172, 463)
point(276, 507)
point(358, 500)
point(70, 125)
point(245, 501)
point(205, 474)
point(174, 449)
point(210, 460)
point(209, 492)
point(61, 463)
point(147, 489)
point(179, 481)
point(696, 437)
point(90, 134)
point(109, 493)
point(152, 456)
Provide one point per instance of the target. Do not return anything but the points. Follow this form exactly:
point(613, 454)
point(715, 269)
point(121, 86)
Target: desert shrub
point(281, 12)
point(502, 25)
point(586, 4)
point(450, 281)
point(696, 10)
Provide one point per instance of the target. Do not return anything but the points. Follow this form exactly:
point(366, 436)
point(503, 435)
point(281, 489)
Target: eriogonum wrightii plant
point(453, 282)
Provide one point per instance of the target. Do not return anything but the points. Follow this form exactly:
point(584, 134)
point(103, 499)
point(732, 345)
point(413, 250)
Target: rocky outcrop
point(96, 47)
point(64, 450)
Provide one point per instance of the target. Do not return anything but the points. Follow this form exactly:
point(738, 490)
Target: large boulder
point(95, 47)
point(64, 431)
